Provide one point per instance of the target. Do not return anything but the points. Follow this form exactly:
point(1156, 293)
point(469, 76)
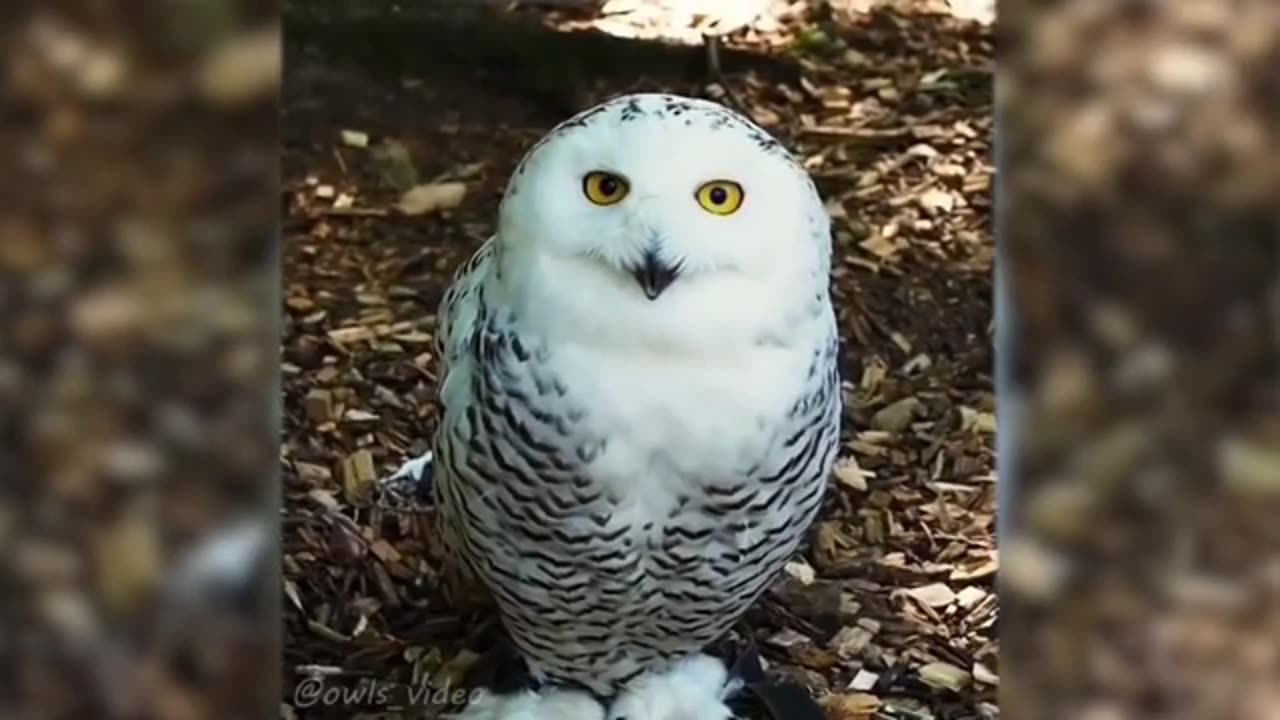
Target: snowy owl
point(640, 401)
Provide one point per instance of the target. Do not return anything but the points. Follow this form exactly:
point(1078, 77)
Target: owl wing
point(458, 321)
point(459, 314)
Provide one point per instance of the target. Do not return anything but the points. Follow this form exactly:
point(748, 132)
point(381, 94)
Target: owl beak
point(654, 275)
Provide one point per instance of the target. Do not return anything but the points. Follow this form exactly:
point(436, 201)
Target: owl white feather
point(640, 397)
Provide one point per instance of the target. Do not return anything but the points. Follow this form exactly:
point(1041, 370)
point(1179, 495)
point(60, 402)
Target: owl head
point(677, 214)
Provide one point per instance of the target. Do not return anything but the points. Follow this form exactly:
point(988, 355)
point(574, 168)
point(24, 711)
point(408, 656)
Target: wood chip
point(851, 706)
point(901, 341)
point(849, 642)
point(935, 595)
point(936, 200)
point(897, 417)
point(864, 680)
point(970, 596)
point(319, 405)
point(323, 498)
point(355, 138)
point(787, 638)
point(355, 415)
point(424, 199)
point(385, 551)
point(881, 246)
point(349, 335)
point(975, 571)
point(849, 474)
point(127, 562)
point(358, 474)
point(945, 676)
point(802, 571)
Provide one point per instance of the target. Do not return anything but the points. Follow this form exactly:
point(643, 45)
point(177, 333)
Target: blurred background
point(138, 335)
point(147, 365)
point(1140, 572)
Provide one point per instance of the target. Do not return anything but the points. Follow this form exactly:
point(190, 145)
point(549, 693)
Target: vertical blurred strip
point(1138, 233)
point(1008, 399)
point(138, 347)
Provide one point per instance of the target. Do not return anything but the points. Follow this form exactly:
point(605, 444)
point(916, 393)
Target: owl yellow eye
point(604, 188)
point(721, 197)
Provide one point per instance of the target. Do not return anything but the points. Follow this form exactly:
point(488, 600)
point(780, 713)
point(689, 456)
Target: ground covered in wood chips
point(392, 177)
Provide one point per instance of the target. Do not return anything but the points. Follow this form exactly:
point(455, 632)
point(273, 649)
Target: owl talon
point(415, 470)
point(529, 705)
point(693, 689)
point(412, 480)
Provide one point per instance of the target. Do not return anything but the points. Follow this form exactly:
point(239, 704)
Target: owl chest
point(595, 442)
point(681, 420)
point(586, 496)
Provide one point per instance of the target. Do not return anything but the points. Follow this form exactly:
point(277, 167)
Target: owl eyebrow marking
point(632, 110)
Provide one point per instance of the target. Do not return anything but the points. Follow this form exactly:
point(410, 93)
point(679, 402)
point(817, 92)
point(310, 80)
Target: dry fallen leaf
point(424, 199)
